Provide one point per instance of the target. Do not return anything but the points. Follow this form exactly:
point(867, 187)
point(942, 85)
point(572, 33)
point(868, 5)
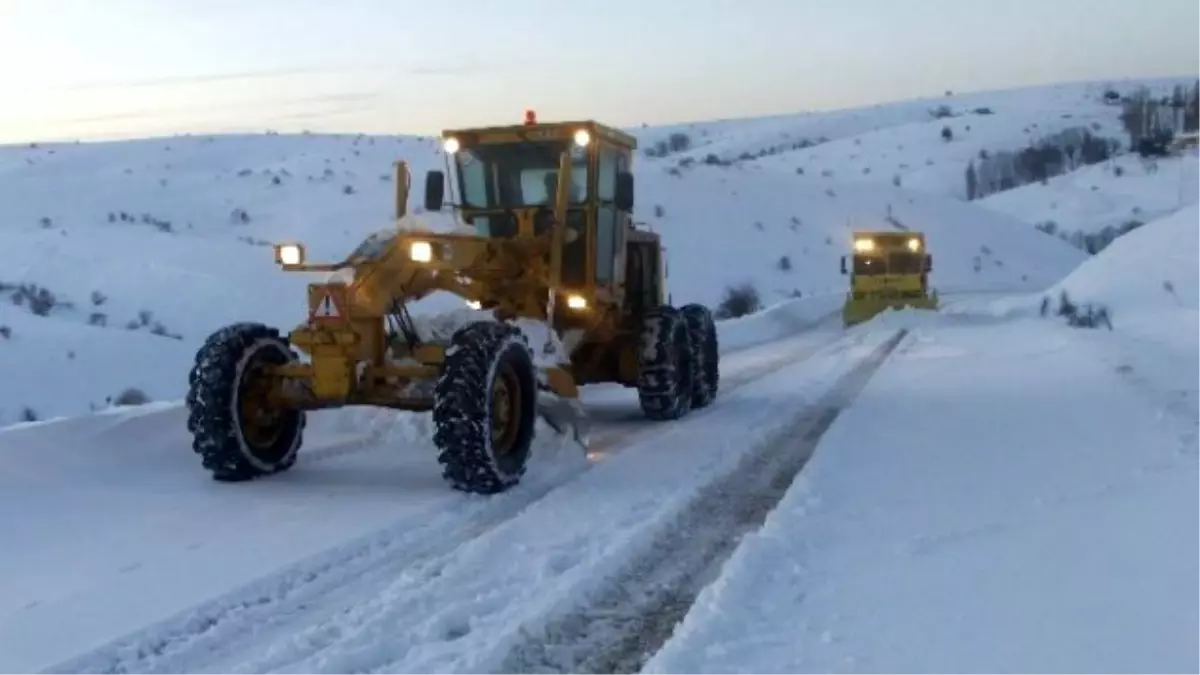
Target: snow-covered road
point(999, 476)
point(129, 532)
point(1004, 497)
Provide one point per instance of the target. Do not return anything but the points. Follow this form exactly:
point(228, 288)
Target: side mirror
point(928, 262)
point(624, 191)
point(435, 190)
point(843, 264)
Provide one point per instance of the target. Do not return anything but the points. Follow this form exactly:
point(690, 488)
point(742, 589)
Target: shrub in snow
point(39, 300)
point(1087, 316)
point(99, 298)
point(5, 332)
point(784, 264)
point(28, 415)
point(738, 301)
point(941, 112)
point(659, 211)
point(947, 134)
point(131, 396)
point(98, 319)
point(161, 330)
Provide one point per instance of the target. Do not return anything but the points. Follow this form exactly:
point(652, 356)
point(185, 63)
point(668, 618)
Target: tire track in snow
point(236, 622)
point(630, 617)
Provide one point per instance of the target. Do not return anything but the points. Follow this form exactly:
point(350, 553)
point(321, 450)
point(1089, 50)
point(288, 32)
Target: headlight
point(474, 304)
point(289, 254)
point(576, 302)
point(914, 245)
point(450, 145)
point(420, 251)
point(582, 138)
point(864, 245)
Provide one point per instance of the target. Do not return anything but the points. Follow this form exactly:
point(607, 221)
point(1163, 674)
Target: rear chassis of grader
point(249, 390)
point(890, 269)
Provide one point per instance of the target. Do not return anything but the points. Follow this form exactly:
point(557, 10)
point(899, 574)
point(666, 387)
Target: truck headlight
point(914, 245)
point(576, 302)
point(450, 145)
point(420, 251)
point(864, 245)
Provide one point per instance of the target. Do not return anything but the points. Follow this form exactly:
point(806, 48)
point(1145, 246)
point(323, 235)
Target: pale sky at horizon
point(120, 68)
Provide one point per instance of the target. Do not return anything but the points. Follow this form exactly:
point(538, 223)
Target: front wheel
point(237, 431)
point(485, 406)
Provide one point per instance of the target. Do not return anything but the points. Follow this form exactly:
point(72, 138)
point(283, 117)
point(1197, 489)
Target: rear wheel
point(702, 330)
point(485, 406)
point(667, 368)
point(237, 431)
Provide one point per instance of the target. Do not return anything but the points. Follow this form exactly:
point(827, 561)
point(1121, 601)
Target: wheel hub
point(505, 410)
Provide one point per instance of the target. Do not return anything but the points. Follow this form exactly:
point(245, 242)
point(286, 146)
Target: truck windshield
point(506, 176)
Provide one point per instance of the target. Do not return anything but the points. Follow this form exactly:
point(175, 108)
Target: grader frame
point(250, 391)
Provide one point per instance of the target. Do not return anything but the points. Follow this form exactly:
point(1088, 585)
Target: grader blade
point(565, 416)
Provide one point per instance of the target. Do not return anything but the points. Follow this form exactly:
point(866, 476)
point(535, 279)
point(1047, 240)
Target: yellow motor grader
point(550, 240)
point(889, 269)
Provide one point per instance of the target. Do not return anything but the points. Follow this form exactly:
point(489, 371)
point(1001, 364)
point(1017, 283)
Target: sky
point(96, 69)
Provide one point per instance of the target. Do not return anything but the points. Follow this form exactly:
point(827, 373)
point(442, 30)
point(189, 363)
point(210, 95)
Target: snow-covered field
point(989, 489)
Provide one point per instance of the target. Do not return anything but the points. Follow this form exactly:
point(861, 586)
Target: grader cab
point(551, 240)
point(888, 269)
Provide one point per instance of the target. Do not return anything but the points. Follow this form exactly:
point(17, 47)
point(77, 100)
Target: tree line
point(1150, 122)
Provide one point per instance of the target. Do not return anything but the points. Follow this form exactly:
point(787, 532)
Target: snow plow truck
point(543, 234)
point(887, 269)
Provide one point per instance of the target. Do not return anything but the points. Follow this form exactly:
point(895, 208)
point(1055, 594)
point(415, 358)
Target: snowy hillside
point(170, 236)
point(1111, 194)
point(986, 488)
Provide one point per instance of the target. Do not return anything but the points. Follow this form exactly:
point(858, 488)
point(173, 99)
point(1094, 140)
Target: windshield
point(517, 175)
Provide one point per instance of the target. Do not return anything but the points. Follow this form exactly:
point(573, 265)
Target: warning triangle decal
point(327, 308)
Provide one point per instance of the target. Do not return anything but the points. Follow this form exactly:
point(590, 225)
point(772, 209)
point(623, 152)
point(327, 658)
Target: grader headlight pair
point(451, 145)
point(575, 302)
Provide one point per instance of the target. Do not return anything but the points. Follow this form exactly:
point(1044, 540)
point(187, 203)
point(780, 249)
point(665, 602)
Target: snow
point(184, 254)
point(142, 534)
point(1111, 194)
point(1006, 493)
point(1022, 510)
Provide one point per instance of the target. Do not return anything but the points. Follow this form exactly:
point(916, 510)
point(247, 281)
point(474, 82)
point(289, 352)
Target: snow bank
point(1152, 269)
point(776, 322)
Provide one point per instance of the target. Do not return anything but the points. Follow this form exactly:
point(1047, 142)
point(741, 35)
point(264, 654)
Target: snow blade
point(564, 416)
